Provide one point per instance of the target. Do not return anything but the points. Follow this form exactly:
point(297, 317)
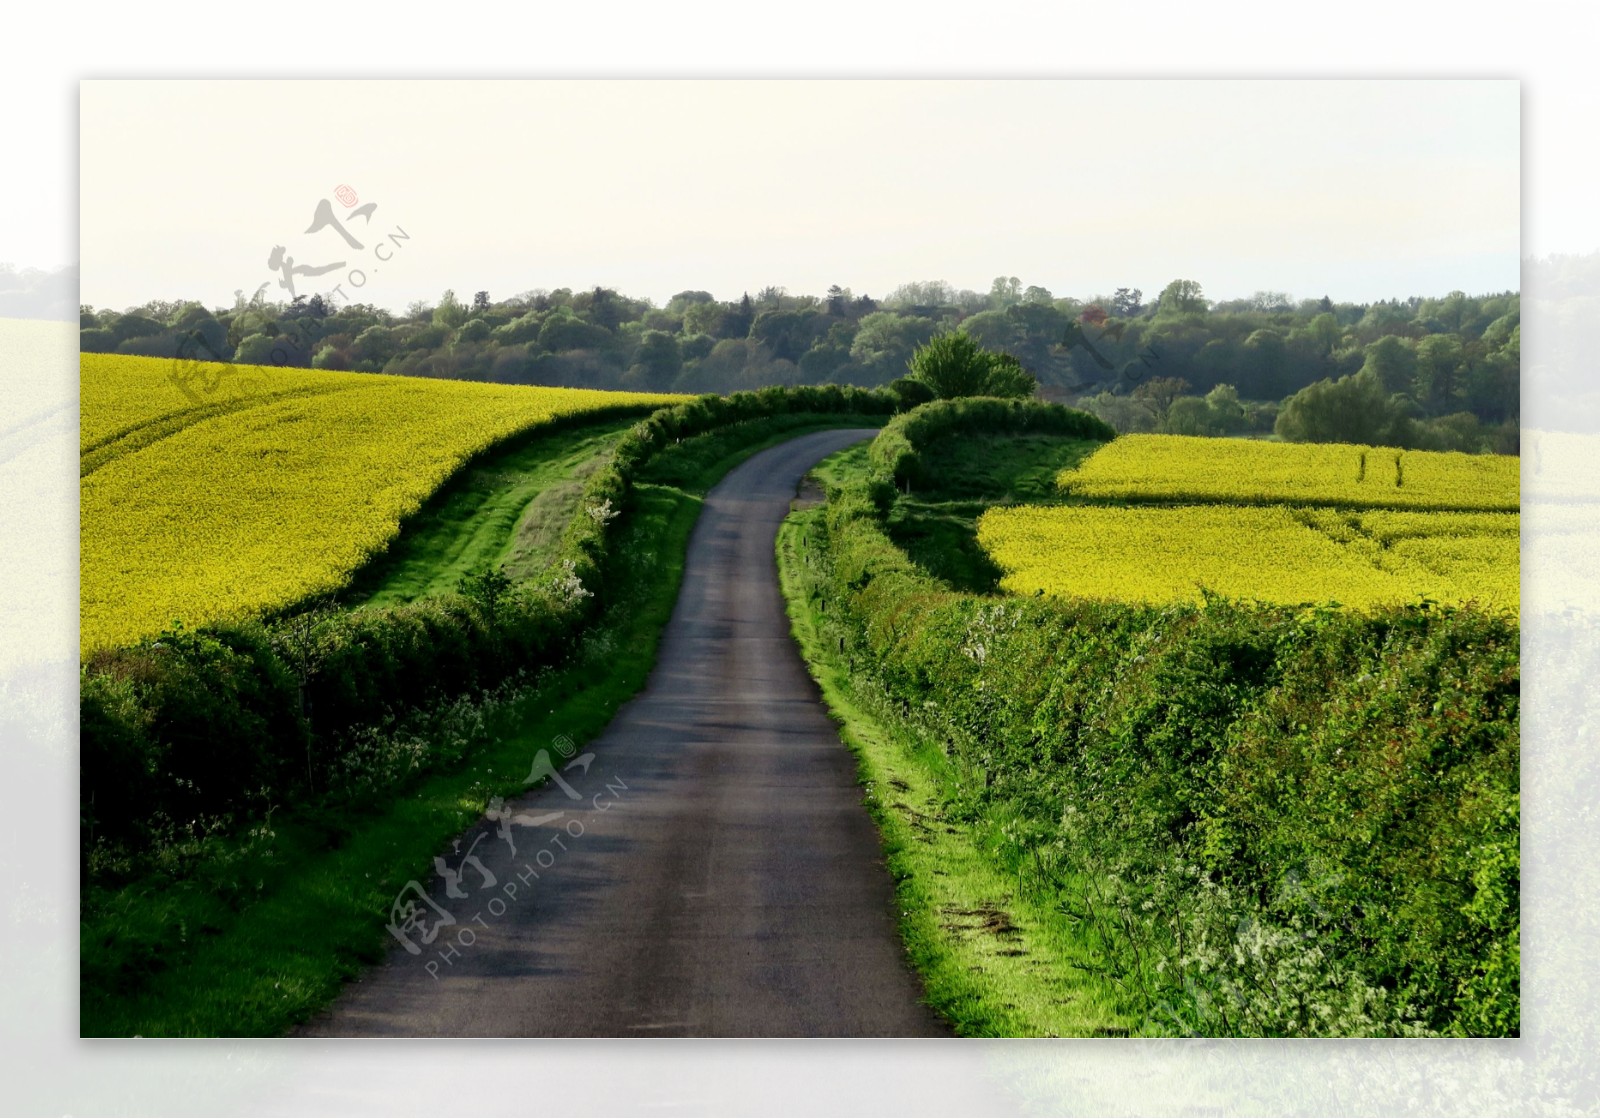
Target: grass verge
point(508, 510)
point(1002, 469)
point(995, 961)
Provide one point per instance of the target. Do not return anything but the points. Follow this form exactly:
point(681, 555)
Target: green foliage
point(885, 341)
point(567, 331)
point(257, 349)
point(1225, 414)
point(1356, 409)
point(993, 961)
point(657, 363)
point(1278, 821)
point(1182, 297)
point(472, 332)
point(451, 312)
point(97, 340)
point(1159, 394)
point(911, 392)
point(489, 587)
point(1353, 409)
point(1393, 363)
point(953, 365)
point(374, 347)
point(1440, 359)
point(1008, 379)
point(1097, 348)
point(898, 451)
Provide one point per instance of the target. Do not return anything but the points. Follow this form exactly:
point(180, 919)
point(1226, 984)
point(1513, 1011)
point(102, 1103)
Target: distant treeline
point(1440, 372)
point(36, 293)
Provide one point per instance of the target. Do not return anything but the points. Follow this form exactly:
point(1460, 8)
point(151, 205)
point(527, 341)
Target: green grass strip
point(995, 961)
point(509, 510)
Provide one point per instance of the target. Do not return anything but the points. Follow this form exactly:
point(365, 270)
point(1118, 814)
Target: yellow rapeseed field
point(1448, 556)
point(1284, 523)
point(1167, 554)
point(271, 489)
point(1271, 553)
point(1187, 468)
point(120, 398)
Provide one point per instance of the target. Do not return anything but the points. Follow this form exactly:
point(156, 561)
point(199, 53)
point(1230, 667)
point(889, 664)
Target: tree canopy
point(1438, 359)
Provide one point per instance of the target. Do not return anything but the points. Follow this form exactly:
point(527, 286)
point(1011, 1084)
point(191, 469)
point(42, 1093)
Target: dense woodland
point(1437, 373)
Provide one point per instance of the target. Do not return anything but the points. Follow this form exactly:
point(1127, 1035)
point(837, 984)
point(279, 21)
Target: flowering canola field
point(258, 487)
point(1285, 523)
point(121, 397)
point(1192, 468)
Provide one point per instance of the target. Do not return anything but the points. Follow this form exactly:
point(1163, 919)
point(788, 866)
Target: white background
point(1549, 47)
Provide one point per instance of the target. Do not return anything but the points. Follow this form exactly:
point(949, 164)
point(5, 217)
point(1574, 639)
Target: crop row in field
point(278, 490)
point(1181, 468)
point(1267, 553)
point(119, 395)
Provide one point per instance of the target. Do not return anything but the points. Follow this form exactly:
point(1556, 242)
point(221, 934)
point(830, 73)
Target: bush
point(183, 727)
point(954, 365)
point(911, 392)
point(97, 340)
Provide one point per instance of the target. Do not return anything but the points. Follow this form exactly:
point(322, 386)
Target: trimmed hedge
point(897, 451)
point(1278, 820)
point(193, 729)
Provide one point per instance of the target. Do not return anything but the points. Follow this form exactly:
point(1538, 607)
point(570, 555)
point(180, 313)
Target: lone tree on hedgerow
point(951, 365)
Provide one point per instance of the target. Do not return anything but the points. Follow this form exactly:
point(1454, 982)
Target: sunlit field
point(274, 486)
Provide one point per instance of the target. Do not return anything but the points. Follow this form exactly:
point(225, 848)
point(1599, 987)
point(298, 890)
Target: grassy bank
point(248, 934)
point(508, 511)
point(937, 522)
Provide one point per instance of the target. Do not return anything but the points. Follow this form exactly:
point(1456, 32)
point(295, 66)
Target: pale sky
point(1357, 189)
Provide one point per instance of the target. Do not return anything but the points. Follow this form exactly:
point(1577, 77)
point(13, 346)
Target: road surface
point(712, 872)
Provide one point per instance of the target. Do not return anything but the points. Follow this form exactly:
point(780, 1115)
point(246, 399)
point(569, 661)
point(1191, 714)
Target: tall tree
point(1182, 297)
point(1005, 291)
point(1125, 302)
point(1353, 409)
point(656, 363)
point(450, 313)
point(1439, 367)
point(1393, 363)
point(886, 341)
point(1158, 393)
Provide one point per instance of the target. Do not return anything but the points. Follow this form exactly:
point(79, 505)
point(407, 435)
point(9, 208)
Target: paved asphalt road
point(713, 872)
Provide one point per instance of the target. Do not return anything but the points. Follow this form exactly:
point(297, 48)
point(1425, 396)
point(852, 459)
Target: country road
point(712, 871)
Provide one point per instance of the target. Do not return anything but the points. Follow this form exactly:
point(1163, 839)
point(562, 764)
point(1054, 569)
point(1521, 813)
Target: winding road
point(712, 871)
